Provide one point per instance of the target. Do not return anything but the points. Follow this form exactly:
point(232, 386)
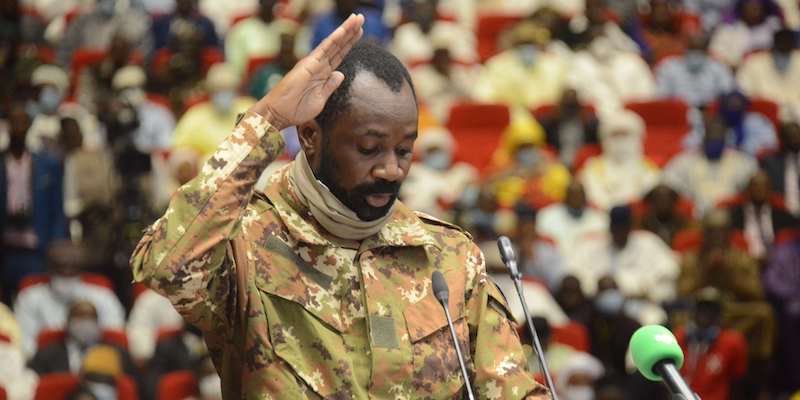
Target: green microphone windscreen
point(651, 344)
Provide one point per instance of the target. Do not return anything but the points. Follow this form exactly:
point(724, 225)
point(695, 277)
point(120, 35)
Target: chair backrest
point(490, 26)
point(477, 129)
point(92, 279)
point(111, 336)
point(60, 385)
point(572, 334)
point(661, 112)
point(177, 385)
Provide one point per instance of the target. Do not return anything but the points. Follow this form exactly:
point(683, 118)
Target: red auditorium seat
point(2, 394)
point(572, 334)
point(113, 336)
point(177, 385)
point(93, 279)
point(490, 26)
point(586, 152)
point(785, 235)
point(690, 239)
point(767, 108)
point(253, 65)
point(477, 129)
point(666, 124)
point(59, 386)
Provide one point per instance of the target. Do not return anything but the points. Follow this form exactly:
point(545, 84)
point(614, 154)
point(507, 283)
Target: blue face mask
point(223, 100)
point(713, 149)
point(527, 54)
point(527, 157)
point(438, 160)
point(781, 61)
point(694, 60)
point(610, 302)
point(49, 99)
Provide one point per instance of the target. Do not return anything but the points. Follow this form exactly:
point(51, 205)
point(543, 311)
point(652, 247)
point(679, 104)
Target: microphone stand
point(441, 292)
point(509, 258)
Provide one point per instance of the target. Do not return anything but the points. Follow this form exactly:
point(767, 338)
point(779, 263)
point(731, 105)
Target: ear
point(310, 136)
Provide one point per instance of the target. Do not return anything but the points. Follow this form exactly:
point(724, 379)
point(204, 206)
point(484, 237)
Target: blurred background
point(644, 156)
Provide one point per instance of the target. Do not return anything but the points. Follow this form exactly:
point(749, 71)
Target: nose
point(388, 169)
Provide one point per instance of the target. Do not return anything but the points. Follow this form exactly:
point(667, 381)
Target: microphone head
point(506, 249)
point(440, 287)
point(652, 344)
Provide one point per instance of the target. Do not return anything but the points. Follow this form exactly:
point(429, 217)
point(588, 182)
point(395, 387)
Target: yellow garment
point(523, 129)
point(548, 186)
point(202, 128)
point(102, 360)
point(506, 79)
point(9, 326)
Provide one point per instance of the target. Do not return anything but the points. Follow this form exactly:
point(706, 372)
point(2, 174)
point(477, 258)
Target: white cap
point(221, 76)
point(435, 137)
point(129, 76)
point(622, 120)
point(50, 75)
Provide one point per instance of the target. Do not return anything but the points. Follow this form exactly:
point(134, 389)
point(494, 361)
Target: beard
point(356, 198)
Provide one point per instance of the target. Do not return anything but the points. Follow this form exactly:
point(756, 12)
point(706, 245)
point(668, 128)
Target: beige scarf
point(334, 216)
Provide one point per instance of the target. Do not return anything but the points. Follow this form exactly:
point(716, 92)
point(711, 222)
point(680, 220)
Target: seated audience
point(569, 127)
point(782, 283)
point(711, 12)
point(183, 20)
point(436, 182)
point(641, 264)
point(610, 329)
point(32, 212)
point(759, 217)
point(181, 350)
point(267, 76)
point(597, 21)
point(96, 29)
point(665, 31)
point(16, 379)
point(711, 173)
point(94, 87)
point(90, 178)
point(83, 334)
point(416, 40)
point(9, 328)
point(715, 357)
point(151, 314)
point(755, 21)
point(737, 276)
point(442, 82)
point(374, 27)
point(203, 127)
point(45, 306)
point(239, 44)
point(775, 74)
point(209, 385)
point(528, 63)
point(538, 255)
point(556, 355)
point(621, 174)
point(695, 77)
point(662, 216)
point(572, 300)
point(577, 377)
point(155, 123)
point(101, 368)
point(569, 221)
point(783, 166)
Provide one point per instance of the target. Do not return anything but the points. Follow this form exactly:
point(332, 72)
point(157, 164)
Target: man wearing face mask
point(621, 174)
point(51, 83)
point(435, 182)
point(715, 357)
point(155, 122)
point(83, 333)
point(576, 378)
point(31, 205)
point(639, 261)
point(202, 127)
point(783, 166)
point(712, 172)
point(45, 306)
point(694, 77)
point(527, 64)
point(610, 329)
point(568, 221)
point(774, 74)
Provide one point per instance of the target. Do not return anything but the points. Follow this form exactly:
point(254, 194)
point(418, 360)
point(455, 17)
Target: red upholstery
point(2, 394)
point(92, 279)
point(776, 201)
point(138, 289)
point(490, 26)
point(195, 100)
point(59, 386)
point(112, 336)
point(572, 334)
point(253, 65)
point(159, 100)
point(765, 107)
point(477, 129)
point(586, 152)
point(666, 124)
point(786, 235)
point(177, 385)
point(683, 206)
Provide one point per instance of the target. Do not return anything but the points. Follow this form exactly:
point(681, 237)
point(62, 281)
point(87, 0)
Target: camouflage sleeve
point(499, 362)
point(185, 255)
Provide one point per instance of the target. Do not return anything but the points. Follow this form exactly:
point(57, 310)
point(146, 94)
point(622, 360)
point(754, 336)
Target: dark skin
point(286, 56)
point(790, 137)
point(345, 7)
point(697, 42)
point(661, 16)
point(185, 8)
point(662, 201)
point(753, 12)
point(82, 309)
point(19, 123)
point(441, 61)
point(784, 42)
point(425, 15)
point(65, 258)
point(366, 154)
point(575, 197)
point(119, 51)
point(70, 138)
point(758, 189)
point(569, 104)
point(265, 10)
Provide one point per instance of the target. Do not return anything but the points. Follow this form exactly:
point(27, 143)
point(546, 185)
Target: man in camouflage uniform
point(290, 304)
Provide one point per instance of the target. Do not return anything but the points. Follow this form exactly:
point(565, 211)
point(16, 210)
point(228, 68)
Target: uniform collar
point(402, 229)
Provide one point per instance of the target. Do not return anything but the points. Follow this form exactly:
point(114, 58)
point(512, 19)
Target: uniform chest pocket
point(436, 372)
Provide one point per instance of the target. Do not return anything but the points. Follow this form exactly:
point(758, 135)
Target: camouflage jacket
point(289, 312)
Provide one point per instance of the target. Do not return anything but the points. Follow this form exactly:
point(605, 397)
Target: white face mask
point(65, 288)
point(210, 387)
point(438, 160)
point(623, 148)
point(103, 391)
point(223, 100)
point(135, 96)
point(577, 393)
point(85, 331)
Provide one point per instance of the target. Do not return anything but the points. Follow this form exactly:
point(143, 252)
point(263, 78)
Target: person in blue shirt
point(374, 28)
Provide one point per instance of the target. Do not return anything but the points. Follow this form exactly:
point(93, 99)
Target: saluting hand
point(302, 93)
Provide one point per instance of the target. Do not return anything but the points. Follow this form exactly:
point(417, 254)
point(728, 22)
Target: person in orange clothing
point(715, 357)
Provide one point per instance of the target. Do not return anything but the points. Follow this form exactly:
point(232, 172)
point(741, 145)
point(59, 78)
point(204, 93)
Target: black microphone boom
point(510, 260)
point(442, 294)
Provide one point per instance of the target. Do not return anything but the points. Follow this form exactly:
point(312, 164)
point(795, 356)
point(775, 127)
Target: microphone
point(510, 260)
point(658, 357)
point(443, 295)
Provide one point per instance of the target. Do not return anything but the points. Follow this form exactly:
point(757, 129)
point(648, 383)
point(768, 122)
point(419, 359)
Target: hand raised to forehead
point(302, 93)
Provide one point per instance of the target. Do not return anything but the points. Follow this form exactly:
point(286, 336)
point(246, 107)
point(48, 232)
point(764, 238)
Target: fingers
point(340, 41)
point(332, 83)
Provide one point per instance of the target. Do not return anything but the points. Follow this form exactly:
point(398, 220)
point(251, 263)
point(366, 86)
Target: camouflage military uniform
point(290, 312)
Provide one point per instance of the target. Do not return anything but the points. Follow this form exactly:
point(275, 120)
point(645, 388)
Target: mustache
point(380, 186)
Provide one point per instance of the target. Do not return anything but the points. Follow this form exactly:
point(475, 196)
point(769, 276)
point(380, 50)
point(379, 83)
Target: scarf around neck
point(328, 210)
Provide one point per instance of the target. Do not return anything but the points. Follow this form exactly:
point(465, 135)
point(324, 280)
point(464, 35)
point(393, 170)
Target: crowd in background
point(643, 155)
